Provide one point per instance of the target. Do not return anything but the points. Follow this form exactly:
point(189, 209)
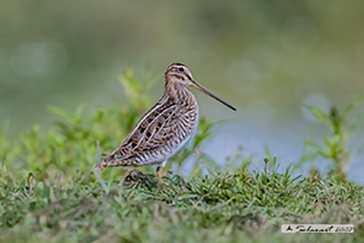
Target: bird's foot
point(160, 183)
point(133, 176)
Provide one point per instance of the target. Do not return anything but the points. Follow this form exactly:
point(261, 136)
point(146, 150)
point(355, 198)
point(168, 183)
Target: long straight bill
point(206, 91)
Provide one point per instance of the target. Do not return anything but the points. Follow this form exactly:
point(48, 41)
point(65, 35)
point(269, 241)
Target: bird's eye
point(181, 69)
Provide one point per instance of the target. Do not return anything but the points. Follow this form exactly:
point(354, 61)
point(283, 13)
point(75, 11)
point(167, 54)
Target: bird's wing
point(149, 134)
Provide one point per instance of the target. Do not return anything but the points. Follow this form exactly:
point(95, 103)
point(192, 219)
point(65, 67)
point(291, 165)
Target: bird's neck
point(177, 91)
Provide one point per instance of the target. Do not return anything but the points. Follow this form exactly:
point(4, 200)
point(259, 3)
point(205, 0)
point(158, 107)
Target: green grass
point(49, 191)
point(217, 208)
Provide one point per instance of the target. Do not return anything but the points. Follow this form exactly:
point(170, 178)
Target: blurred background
point(265, 57)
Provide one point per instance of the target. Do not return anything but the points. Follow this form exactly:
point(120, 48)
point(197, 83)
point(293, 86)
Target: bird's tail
point(107, 161)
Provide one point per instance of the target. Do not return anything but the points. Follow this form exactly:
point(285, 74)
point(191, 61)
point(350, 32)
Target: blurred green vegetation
point(262, 54)
point(71, 146)
point(342, 126)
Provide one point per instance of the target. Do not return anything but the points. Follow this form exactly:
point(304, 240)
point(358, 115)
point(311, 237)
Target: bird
point(167, 128)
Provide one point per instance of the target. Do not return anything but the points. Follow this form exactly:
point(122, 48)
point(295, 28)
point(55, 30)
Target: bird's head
point(179, 73)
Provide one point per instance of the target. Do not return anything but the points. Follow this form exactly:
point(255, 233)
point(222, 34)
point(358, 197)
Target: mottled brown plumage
point(166, 128)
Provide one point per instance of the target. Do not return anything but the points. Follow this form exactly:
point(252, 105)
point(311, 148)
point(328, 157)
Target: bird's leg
point(159, 172)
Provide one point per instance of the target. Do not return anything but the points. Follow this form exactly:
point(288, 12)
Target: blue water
point(285, 141)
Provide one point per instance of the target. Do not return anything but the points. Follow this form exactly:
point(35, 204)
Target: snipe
point(166, 128)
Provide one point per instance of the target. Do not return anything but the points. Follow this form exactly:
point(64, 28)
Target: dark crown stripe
point(174, 64)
